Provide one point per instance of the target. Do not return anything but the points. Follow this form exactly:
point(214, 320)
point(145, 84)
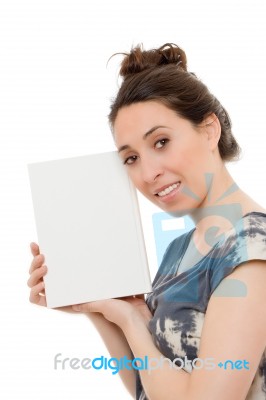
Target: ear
point(212, 128)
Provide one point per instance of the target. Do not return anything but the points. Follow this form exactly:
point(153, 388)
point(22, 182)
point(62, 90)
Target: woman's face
point(166, 157)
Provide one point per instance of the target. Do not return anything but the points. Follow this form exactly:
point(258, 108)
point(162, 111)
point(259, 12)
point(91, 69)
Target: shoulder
point(251, 225)
point(240, 302)
point(242, 276)
point(256, 218)
point(243, 244)
point(247, 280)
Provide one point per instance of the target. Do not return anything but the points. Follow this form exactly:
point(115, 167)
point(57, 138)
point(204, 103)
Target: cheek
point(192, 164)
point(194, 159)
point(181, 162)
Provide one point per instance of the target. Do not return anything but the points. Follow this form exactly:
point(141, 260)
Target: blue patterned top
point(179, 300)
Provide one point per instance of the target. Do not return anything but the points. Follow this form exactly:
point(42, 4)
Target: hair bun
point(139, 59)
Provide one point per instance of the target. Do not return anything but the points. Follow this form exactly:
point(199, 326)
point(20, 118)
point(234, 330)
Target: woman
point(207, 312)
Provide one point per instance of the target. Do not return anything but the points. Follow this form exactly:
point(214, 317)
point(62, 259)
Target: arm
point(234, 328)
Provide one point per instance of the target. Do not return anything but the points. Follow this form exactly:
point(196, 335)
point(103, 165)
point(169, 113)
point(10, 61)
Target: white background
point(55, 91)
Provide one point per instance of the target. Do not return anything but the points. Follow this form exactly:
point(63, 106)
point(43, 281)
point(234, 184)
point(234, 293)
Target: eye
point(161, 143)
point(130, 160)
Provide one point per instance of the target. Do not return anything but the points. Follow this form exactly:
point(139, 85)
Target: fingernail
point(76, 308)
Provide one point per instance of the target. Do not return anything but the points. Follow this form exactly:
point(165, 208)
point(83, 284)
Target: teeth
point(168, 190)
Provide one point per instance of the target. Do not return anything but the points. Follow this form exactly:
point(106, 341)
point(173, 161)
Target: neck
point(220, 209)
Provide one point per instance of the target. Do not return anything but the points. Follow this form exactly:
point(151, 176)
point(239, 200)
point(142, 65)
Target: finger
point(92, 306)
point(124, 297)
point(36, 276)
point(35, 296)
point(36, 262)
point(140, 296)
point(35, 250)
point(81, 307)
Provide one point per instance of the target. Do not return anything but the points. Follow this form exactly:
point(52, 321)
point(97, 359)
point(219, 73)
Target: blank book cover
point(89, 229)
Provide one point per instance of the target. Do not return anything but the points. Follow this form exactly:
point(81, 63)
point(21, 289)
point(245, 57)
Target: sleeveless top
point(179, 301)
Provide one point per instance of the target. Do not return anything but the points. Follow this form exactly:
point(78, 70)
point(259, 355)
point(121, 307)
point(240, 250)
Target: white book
point(89, 229)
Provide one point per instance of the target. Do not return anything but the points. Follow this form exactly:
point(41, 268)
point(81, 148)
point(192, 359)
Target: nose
point(150, 170)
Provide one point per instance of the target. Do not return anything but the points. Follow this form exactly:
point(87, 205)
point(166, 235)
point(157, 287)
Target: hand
point(120, 310)
point(36, 283)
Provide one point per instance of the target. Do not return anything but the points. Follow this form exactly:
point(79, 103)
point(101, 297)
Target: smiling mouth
point(168, 190)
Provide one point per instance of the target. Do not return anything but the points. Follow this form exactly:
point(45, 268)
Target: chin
point(180, 209)
point(177, 213)
point(173, 210)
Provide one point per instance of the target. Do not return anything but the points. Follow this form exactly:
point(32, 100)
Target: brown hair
point(161, 74)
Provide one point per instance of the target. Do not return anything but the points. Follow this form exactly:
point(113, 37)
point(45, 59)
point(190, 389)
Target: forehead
point(141, 117)
point(134, 121)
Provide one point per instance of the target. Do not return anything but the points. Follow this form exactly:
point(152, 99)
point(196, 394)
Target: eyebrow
point(148, 133)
